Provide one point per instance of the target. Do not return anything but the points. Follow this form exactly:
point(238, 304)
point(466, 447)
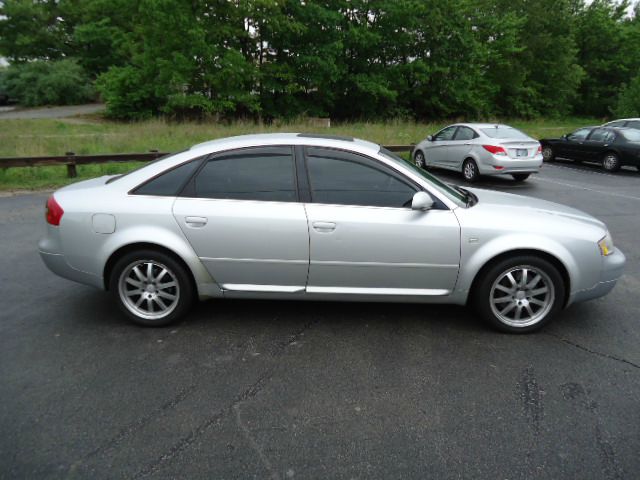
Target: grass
point(22, 138)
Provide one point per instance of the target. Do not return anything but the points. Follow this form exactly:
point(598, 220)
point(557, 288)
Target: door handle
point(196, 222)
point(324, 227)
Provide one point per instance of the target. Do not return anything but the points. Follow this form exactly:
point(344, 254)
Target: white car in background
point(481, 149)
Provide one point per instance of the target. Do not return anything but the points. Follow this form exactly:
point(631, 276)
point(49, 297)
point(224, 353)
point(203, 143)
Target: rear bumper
point(509, 165)
point(613, 267)
point(57, 263)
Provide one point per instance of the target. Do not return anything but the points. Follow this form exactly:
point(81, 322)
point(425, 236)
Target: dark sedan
point(611, 147)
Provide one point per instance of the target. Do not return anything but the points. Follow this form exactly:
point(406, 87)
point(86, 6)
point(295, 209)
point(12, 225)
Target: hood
point(522, 205)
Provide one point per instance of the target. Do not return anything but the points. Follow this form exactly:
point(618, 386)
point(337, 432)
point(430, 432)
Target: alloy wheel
point(522, 296)
point(547, 154)
point(149, 289)
point(419, 159)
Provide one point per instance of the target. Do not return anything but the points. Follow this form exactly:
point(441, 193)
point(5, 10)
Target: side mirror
point(565, 136)
point(430, 138)
point(421, 201)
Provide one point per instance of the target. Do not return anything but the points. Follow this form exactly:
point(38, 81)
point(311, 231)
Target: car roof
point(313, 139)
point(623, 120)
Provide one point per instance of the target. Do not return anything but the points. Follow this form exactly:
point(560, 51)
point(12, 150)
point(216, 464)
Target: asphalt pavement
point(256, 389)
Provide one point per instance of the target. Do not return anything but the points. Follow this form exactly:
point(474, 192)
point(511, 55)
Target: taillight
point(495, 150)
point(539, 149)
point(53, 212)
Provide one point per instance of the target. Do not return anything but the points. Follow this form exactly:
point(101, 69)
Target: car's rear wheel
point(519, 294)
point(470, 170)
point(418, 158)
point(611, 162)
point(547, 154)
point(151, 287)
point(520, 177)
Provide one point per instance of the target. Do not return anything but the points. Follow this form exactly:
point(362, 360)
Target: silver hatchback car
point(297, 216)
point(477, 149)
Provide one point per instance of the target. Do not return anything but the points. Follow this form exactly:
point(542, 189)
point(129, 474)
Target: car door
point(439, 146)
point(241, 214)
point(459, 147)
point(364, 237)
point(596, 143)
point(573, 145)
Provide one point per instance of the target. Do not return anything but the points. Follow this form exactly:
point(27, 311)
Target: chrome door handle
point(324, 227)
point(196, 222)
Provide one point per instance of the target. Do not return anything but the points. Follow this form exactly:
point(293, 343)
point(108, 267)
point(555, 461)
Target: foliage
point(628, 102)
point(348, 59)
point(61, 82)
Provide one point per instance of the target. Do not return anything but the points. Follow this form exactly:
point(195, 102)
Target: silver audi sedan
point(477, 149)
point(312, 217)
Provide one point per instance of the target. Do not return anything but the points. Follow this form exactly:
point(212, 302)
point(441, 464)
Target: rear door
point(241, 214)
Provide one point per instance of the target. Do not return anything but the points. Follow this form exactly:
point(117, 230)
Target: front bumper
point(612, 269)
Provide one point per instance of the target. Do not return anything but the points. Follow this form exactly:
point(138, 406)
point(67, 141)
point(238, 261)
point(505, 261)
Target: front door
point(459, 147)
point(438, 151)
point(242, 217)
point(364, 237)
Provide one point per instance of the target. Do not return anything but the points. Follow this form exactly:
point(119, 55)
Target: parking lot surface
point(255, 389)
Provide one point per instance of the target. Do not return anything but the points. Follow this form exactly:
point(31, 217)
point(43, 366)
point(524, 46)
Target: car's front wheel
point(151, 287)
point(519, 294)
point(419, 159)
point(547, 154)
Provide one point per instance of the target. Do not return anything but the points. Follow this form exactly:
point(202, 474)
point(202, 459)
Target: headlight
point(606, 245)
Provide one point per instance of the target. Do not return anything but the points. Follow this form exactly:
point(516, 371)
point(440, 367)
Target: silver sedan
point(295, 216)
point(481, 149)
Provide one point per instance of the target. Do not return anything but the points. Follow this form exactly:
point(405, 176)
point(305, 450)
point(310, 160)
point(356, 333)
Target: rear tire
point(470, 170)
point(611, 162)
point(151, 288)
point(520, 177)
point(547, 154)
point(519, 294)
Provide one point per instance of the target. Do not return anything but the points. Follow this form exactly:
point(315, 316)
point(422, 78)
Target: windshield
point(501, 131)
point(457, 195)
point(632, 135)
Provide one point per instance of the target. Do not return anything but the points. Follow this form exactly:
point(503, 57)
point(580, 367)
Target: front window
point(579, 135)
point(456, 196)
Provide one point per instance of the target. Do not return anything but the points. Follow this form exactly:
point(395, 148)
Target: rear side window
point(632, 135)
point(343, 178)
point(264, 173)
point(465, 133)
point(634, 124)
point(169, 183)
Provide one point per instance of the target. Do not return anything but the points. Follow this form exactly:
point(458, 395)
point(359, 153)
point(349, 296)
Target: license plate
point(521, 152)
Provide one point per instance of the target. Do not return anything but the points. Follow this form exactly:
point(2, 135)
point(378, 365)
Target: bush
point(61, 82)
point(629, 100)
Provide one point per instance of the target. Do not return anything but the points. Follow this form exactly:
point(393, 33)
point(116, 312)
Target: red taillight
point(539, 149)
point(494, 149)
point(53, 212)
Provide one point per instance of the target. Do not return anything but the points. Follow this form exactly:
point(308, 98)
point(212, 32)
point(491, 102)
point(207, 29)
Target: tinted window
point(579, 134)
point(169, 183)
point(632, 135)
point(249, 174)
point(634, 124)
point(465, 133)
point(599, 135)
point(446, 134)
point(500, 131)
point(349, 179)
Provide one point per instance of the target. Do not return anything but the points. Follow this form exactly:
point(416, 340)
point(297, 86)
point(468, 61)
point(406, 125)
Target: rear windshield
point(632, 135)
point(504, 132)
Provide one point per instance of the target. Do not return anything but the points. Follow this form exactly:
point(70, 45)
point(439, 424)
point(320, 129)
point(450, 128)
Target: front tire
point(547, 154)
point(470, 170)
point(520, 294)
point(520, 177)
point(151, 288)
point(419, 159)
point(611, 162)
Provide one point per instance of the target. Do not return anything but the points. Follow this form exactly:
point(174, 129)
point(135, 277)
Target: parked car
point(477, 149)
point(312, 217)
point(610, 146)
point(624, 122)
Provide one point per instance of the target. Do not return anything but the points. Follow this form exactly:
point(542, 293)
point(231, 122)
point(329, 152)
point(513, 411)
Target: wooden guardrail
point(70, 159)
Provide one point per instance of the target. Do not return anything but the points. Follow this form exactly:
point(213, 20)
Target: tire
point(520, 177)
point(611, 162)
point(548, 154)
point(419, 160)
point(470, 170)
point(500, 300)
point(141, 300)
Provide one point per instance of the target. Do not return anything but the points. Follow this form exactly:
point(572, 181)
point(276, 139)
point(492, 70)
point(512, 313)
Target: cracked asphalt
point(256, 389)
